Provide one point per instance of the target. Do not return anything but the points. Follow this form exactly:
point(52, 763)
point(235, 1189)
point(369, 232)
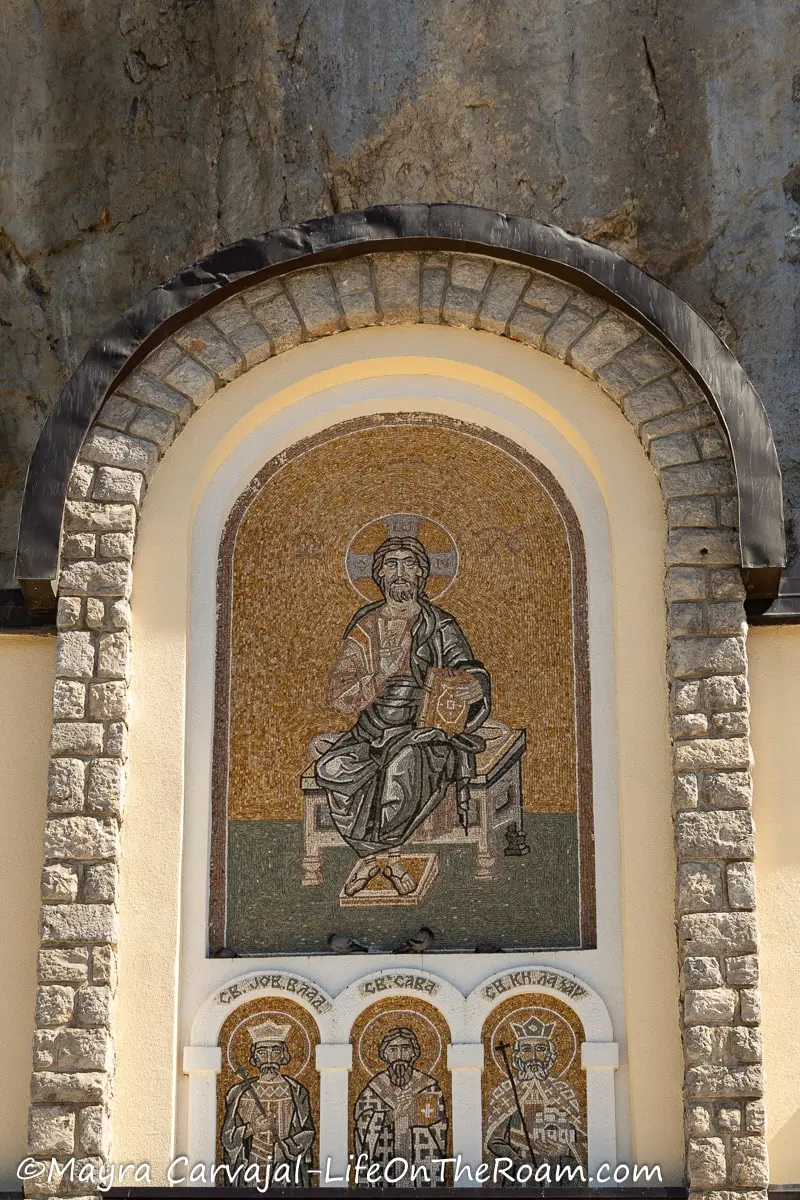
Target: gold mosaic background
point(433, 1035)
point(235, 1042)
point(292, 601)
point(567, 1035)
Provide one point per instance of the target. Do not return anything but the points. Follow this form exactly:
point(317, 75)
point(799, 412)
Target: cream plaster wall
point(148, 1035)
point(27, 672)
point(774, 662)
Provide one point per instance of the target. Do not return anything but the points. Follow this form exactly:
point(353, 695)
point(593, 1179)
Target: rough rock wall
point(139, 134)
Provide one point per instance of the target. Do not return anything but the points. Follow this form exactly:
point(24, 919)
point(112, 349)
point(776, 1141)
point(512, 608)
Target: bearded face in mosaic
point(386, 774)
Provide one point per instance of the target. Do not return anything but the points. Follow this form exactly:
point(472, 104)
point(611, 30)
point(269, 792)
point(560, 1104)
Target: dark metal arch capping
point(389, 228)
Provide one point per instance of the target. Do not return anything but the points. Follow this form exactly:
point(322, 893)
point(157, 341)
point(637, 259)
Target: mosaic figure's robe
point(385, 776)
point(553, 1119)
point(282, 1133)
point(408, 1122)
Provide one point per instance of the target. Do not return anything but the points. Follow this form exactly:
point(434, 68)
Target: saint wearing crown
point(536, 1119)
point(268, 1116)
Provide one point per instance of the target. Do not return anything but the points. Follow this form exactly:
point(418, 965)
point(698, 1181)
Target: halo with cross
point(438, 541)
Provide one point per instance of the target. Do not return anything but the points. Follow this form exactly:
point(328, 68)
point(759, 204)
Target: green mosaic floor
point(531, 904)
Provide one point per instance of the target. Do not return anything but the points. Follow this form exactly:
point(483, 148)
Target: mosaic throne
point(495, 809)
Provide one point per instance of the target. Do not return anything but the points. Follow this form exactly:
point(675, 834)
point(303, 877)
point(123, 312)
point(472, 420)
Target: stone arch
point(680, 432)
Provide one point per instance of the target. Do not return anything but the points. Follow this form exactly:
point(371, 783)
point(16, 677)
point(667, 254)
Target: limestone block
point(683, 420)
point(80, 838)
point(69, 612)
point(741, 884)
point(193, 381)
point(78, 545)
point(252, 344)
point(61, 1087)
point(746, 1045)
point(108, 701)
point(742, 969)
point(397, 282)
point(615, 381)
point(210, 347)
point(106, 786)
point(729, 511)
point(119, 614)
point(51, 1130)
point(109, 448)
point(113, 656)
point(730, 724)
point(755, 1120)
point(80, 481)
point(100, 883)
point(74, 655)
point(690, 725)
point(116, 740)
point(93, 1006)
point(697, 1120)
point(646, 359)
point(155, 393)
point(727, 584)
point(611, 334)
point(700, 886)
point(156, 426)
point(730, 789)
point(117, 412)
point(686, 697)
point(685, 792)
point(673, 450)
point(162, 359)
point(502, 296)
point(104, 966)
point(548, 294)
point(59, 883)
point(470, 272)
point(710, 1081)
point(72, 738)
point(54, 1004)
point(703, 754)
point(434, 282)
point(85, 1050)
point(44, 1049)
point(651, 401)
point(63, 966)
point(593, 306)
point(97, 578)
point(726, 833)
point(568, 326)
point(705, 1159)
point(697, 512)
point(78, 923)
point(352, 276)
point(701, 971)
point(686, 618)
point(727, 617)
point(279, 320)
point(93, 1131)
point(718, 933)
point(728, 1118)
point(685, 583)
point(696, 658)
point(101, 518)
point(709, 1006)
point(695, 479)
point(726, 693)
point(460, 307)
point(95, 612)
point(703, 548)
point(72, 1180)
point(314, 298)
point(260, 293)
point(360, 310)
point(529, 325)
point(749, 1166)
point(115, 545)
point(69, 699)
point(703, 1044)
point(750, 1006)
point(712, 443)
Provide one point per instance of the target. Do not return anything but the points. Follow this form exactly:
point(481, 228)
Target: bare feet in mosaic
point(367, 870)
point(401, 880)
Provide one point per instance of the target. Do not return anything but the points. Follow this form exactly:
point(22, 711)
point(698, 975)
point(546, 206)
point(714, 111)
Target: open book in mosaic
point(386, 567)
